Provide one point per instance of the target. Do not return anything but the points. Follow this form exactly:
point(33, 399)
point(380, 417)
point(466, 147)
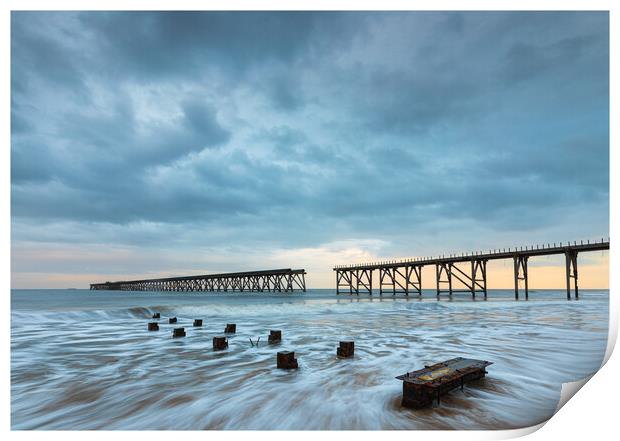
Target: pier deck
point(278, 280)
point(404, 276)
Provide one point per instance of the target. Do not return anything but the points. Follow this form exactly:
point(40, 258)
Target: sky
point(149, 144)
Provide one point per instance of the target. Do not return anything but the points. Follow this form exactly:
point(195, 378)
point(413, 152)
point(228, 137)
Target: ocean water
point(85, 360)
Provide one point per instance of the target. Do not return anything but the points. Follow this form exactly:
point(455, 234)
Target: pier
point(404, 276)
point(278, 280)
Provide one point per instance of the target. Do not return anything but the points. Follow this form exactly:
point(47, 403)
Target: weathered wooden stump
point(231, 328)
point(178, 332)
point(172, 320)
point(197, 322)
point(153, 326)
point(156, 315)
point(219, 343)
point(421, 387)
point(275, 337)
point(346, 349)
point(286, 360)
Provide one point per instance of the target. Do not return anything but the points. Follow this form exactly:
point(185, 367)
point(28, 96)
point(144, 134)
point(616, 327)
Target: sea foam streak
point(85, 360)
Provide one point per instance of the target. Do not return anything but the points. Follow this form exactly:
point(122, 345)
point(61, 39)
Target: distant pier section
point(278, 280)
point(404, 276)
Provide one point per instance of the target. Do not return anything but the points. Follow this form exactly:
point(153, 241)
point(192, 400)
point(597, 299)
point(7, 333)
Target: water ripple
point(94, 365)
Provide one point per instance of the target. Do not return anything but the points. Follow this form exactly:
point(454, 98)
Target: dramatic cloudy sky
point(151, 144)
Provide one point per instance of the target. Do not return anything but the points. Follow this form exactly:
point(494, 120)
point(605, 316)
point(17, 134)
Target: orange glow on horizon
point(543, 273)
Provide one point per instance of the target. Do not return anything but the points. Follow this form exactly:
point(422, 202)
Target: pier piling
point(178, 332)
point(275, 336)
point(346, 349)
point(220, 343)
point(286, 360)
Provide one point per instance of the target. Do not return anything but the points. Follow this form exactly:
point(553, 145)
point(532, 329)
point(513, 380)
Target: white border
point(592, 415)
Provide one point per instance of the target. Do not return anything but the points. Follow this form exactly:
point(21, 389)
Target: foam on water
point(85, 360)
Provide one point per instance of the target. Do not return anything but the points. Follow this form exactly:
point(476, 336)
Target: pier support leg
point(516, 278)
point(473, 279)
point(364, 279)
point(350, 283)
point(567, 277)
point(419, 273)
point(337, 283)
point(575, 277)
point(442, 268)
point(479, 277)
point(393, 276)
point(484, 277)
point(571, 272)
point(413, 276)
point(390, 280)
point(344, 278)
point(521, 274)
point(525, 278)
point(303, 282)
point(437, 278)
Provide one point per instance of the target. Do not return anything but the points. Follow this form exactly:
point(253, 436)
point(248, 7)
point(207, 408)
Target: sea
point(85, 360)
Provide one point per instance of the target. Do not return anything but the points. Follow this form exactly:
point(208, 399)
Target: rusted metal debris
point(172, 320)
point(275, 336)
point(231, 328)
point(286, 360)
point(421, 387)
point(178, 332)
point(156, 315)
point(197, 322)
point(153, 326)
point(220, 343)
point(254, 343)
point(346, 349)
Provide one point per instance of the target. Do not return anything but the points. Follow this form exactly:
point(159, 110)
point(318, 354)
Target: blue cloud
point(294, 129)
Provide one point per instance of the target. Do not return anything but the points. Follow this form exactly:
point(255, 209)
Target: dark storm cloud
point(303, 128)
point(37, 57)
point(201, 120)
point(157, 45)
point(525, 61)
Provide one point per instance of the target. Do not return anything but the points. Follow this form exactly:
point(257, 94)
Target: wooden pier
point(278, 280)
point(405, 276)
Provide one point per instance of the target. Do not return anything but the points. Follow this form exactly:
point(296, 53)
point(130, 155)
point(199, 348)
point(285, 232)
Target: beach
point(85, 360)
